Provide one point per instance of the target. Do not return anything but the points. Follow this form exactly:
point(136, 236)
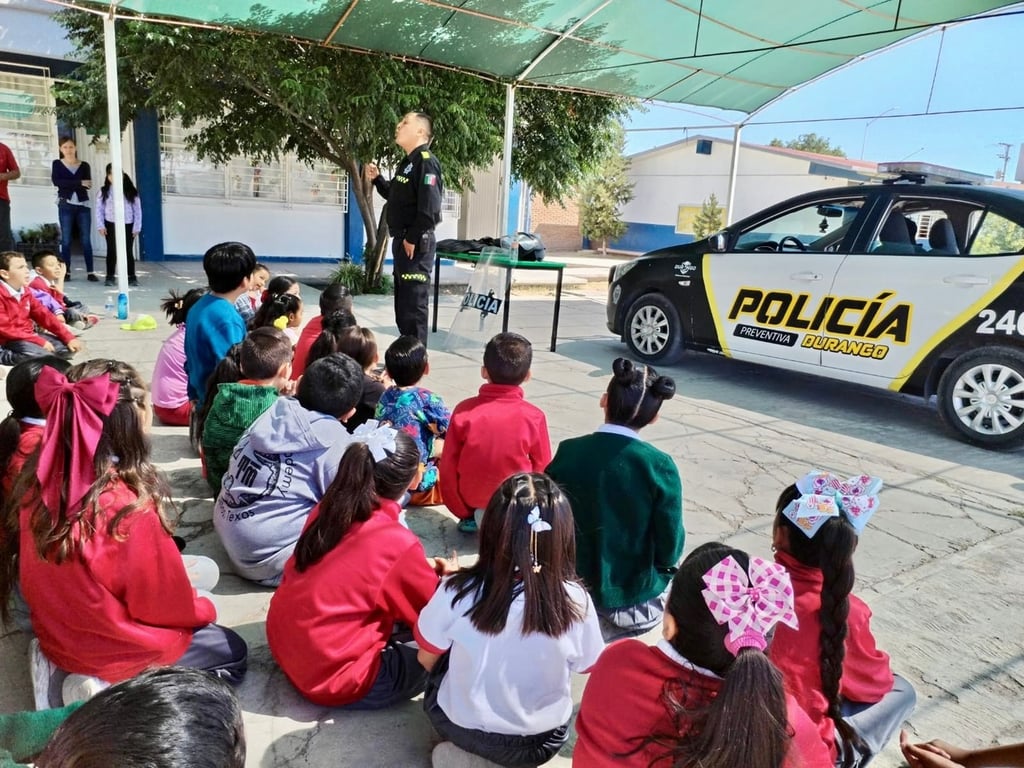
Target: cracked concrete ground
point(942, 564)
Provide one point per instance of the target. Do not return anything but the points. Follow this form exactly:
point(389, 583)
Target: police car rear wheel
point(653, 331)
point(981, 397)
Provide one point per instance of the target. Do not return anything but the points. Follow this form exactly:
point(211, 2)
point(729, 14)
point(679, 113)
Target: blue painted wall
point(147, 168)
point(647, 237)
point(512, 221)
point(355, 235)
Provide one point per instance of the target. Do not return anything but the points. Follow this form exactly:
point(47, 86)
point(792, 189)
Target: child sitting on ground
point(334, 300)
point(415, 410)
point(831, 663)
point(283, 312)
point(495, 434)
point(48, 283)
point(282, 466)
point(265, 362)
point(213, 324)
point(106, 586)
point(676, 703)
point(251, 300)
point(20, 312)
point(627, 500)
point(169, 387)
point(501, 637)
point(334, 634)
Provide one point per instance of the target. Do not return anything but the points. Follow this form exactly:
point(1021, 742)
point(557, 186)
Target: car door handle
point(807, 277)
point(966, 280)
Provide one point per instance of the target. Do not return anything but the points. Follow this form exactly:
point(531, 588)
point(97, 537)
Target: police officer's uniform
point(414, 209)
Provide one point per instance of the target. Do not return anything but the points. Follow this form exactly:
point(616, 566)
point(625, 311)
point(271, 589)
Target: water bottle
point(108, 305)
point(122, 306)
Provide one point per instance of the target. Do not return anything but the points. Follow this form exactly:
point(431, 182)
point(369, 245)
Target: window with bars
point(451, 205)
point(286, 180)
point(26, 122)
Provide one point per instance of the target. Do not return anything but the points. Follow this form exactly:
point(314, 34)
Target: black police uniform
point(414, 209)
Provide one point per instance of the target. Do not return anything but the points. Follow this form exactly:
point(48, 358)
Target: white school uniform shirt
point(507, 683)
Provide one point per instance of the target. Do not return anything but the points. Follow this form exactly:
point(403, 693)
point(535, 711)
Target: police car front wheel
point(981, 397)
point(653, 331)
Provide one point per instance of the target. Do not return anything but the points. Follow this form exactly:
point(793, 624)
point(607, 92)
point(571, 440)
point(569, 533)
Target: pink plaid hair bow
point(749, 607)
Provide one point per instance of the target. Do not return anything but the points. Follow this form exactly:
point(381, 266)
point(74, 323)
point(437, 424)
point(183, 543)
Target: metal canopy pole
point(114, 134)
point(733, 169)
point(505, 193)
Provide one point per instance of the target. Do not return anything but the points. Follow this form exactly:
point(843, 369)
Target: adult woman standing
point(73, 179)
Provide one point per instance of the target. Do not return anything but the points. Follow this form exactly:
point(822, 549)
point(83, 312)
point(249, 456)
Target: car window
point(918, 225)
point(995, 234)
point(815, 227)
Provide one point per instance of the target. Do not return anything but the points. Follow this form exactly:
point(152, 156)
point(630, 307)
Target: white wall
point(677, 175)
point(480, 207)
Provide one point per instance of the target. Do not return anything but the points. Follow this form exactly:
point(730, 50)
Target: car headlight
point(620, 270)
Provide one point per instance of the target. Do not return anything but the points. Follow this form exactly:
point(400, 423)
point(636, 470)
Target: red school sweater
point(328, 624)
point(867, 676)
point(623, 704)
point(17, 316)
point(490, 436)
point(123, 604)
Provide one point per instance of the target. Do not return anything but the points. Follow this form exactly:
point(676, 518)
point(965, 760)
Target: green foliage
point(998, 235)
point(355, 278)
point(262, 95)
point(44, 233)
point(605, 191)
point(709, 220)
point(809, 142)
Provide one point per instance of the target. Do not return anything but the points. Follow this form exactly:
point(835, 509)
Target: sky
point(980, 67)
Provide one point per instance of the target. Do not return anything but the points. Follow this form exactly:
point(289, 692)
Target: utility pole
point(1005, 157)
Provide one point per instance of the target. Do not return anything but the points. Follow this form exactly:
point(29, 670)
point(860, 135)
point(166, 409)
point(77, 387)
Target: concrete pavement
point(942, 564)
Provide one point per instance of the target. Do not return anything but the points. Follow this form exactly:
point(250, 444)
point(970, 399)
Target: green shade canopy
point(731, 54)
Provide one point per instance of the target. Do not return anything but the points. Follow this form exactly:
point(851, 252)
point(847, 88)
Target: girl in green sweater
point(627, 500)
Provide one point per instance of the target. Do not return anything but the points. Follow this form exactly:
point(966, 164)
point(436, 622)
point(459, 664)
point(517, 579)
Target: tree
point(998, 235)
point(604, 192)
point(709, 220)
point(809, 142)
point(261, 95)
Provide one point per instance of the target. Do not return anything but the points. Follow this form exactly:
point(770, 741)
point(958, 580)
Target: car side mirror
point(717, 242)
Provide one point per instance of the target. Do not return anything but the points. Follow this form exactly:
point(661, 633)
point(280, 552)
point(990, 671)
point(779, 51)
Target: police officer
point(414, 209)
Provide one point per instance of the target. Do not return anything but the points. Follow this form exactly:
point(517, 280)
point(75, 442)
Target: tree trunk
point(375, 256)
point(363, 191)
point(604, 246)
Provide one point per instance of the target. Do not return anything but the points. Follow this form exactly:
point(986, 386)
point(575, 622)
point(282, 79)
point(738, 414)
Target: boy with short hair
point(266, 361)
point(415, 410)
point(495, 434)
point(282, 466)
point(19, 309)
point(213, 324)
point(335, 299)
point(47, 285)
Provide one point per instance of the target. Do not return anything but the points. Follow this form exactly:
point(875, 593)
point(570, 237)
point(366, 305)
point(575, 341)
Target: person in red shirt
point(9, 171)
point(831, 663)
point(493, 435)
point(335, 312)
point(20, 312)
point(706, 694)
point(356, 583)
point(107, 588)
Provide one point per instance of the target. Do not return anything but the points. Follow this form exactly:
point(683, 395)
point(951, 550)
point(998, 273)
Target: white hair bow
point(378, 438)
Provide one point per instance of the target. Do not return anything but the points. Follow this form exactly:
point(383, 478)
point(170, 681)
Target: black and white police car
point(918, 288)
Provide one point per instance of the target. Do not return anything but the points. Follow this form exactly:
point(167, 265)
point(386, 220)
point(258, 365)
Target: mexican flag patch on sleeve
point(430, 179)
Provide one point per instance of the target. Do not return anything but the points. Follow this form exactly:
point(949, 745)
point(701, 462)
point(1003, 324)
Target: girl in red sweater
point(831, 663)
point(706, 694)
point(106, 585)
point(356, 576)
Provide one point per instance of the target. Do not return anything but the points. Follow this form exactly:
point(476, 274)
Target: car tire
point(981, 397)
point(652, 330)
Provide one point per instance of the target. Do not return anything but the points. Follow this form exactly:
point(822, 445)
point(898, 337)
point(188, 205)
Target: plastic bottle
point(109, 305)
point(122, 306)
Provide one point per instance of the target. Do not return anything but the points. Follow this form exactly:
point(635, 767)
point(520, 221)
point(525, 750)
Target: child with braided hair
point(706, 695)
point(831, 663)
point(627, 500)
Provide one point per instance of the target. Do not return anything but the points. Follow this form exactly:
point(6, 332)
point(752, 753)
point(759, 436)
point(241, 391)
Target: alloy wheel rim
point(650, 330)
point(989, 399)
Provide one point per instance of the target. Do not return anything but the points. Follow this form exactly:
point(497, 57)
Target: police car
point(917, 288)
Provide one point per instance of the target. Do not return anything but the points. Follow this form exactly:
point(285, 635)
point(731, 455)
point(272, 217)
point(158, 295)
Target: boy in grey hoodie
point(282, 466)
